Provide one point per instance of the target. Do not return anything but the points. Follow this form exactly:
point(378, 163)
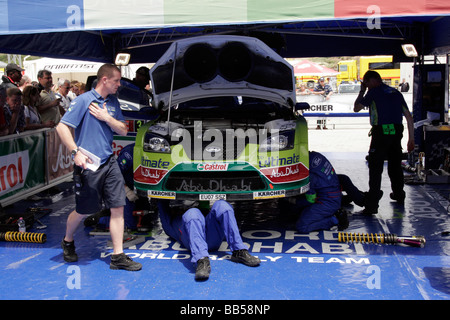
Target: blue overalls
point(318, 214)
point(199, 233)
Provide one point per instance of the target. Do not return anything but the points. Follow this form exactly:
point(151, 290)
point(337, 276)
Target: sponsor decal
point(149, 175)
point(212, 167)
point(277, 161)
point(155, 163)
point(213, 185)
point(13, 171)
point(269, 194)
point(162, 194)
point(285, 174)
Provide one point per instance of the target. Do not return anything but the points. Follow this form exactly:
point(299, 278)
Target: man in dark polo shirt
point(386, 108)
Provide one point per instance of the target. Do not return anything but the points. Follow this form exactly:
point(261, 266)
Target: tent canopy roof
point(98, 30)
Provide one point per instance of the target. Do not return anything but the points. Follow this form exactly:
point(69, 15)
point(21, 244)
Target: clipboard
point(95, 160)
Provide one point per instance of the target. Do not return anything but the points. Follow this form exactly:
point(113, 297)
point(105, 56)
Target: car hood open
point(221, 65)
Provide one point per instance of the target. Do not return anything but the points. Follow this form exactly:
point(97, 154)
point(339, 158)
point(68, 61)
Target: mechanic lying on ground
point(200, 234)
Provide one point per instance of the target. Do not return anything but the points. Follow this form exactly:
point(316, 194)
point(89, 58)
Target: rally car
point(228, 127)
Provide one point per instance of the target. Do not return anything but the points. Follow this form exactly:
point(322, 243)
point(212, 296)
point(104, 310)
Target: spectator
point(25, 81)
point(32, 117)
point(3, 124)
point(323, 89)
point(303, 90)
point(82, 87)
point(63, 90)
point(14, 111)
point(74, 90)
point(48, 104)
point(12, 77)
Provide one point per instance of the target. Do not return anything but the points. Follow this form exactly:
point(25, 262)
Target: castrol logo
point(212, 167)
point(13, 171)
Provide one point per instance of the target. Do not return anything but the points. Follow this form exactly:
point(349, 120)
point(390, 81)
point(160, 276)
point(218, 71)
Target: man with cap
point(323, 89)
point(12, 77)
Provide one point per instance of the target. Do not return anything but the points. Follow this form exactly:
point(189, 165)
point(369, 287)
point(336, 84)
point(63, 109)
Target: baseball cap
point(13, 66)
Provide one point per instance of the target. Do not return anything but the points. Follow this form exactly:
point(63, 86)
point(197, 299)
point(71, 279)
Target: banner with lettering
point(22, 163)
point(59, 158)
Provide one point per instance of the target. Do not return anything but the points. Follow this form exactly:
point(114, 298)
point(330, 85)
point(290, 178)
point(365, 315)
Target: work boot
point(122, 261)
point(342, 217)
point(399, 198)
point(242, 256)
point(203, 269)
point(369, 209)
point(69, 251)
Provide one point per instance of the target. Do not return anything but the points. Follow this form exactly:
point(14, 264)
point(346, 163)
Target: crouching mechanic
point(201, 234)
point(320, 206)
point(96, 116)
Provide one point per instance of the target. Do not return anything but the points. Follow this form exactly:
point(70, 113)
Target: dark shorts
point(105, 187)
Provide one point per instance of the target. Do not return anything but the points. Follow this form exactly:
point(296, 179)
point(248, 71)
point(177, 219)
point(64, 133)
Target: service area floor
point(294, 266)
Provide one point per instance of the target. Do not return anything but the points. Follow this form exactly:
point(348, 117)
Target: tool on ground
point(23, 236)
point(381, 238)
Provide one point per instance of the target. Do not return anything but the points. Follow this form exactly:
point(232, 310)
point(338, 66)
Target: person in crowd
point(12, 77)
point(14, 111)
point(48, 104)
point(386, 108)
point(3, 124)
point(323, 89)
point(96, 117)
point(63, 90)
point(32, 118)
point(201, 233)
point(303, 91)
point(404, 86)
point(82, 87)
point(74, 90)
point(25, 81)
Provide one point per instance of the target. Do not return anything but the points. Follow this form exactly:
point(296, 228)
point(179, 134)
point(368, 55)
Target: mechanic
point(386, 108)
point(320, 207)
point(200, 233)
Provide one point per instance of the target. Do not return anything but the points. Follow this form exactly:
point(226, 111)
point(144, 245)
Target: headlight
point(154, 143)
point(278, 142)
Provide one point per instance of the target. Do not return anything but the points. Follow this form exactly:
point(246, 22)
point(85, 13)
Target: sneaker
point(242, 256)
point(69, 251)
point(203, 269)
point(122, 261)
point(399, 199)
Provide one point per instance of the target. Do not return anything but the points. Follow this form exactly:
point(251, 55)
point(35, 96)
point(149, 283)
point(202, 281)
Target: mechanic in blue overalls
point(320, 206)
point(201, 233)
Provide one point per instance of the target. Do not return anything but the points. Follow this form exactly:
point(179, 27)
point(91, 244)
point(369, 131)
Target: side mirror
point(302, 106)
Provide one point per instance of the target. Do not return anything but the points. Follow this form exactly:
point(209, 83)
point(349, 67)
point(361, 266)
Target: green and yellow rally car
point(228, 126)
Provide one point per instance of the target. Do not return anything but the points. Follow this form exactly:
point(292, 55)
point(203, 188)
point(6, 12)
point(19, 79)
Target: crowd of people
point(33, 104)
